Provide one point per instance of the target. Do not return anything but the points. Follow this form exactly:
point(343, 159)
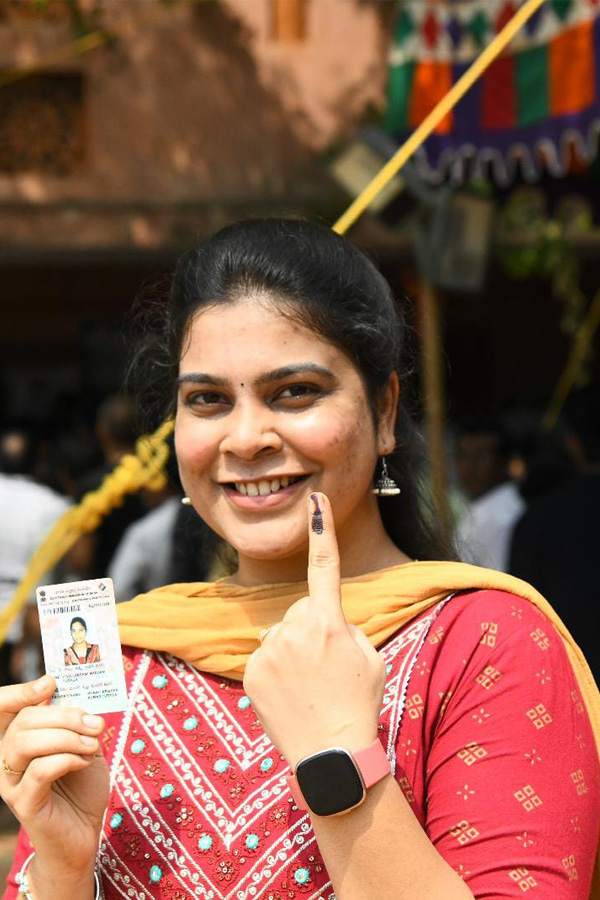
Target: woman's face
point(78, 633)
point(267, 413)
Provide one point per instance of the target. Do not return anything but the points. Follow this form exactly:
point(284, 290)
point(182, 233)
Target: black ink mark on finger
point(317, 515)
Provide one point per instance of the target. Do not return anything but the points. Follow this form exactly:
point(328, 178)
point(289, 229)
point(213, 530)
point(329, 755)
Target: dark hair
point(327, 284)
point(477, 425)
point(17, 452)
point(80, 620)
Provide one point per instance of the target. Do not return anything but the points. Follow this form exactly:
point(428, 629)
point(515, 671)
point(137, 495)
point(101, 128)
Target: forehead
point(250, 336)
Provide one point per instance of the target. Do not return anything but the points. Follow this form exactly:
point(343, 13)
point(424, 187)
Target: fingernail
point(41, 685)
point(92, 721)
point(86, 739)
point(317, 515)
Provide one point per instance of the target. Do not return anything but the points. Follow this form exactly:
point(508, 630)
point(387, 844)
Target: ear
point(388, 409)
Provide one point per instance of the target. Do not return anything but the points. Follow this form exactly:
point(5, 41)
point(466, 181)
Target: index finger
point(324, 584)
point(15, 697)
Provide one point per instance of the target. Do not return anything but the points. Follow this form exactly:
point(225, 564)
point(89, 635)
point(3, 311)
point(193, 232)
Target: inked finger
point(324, 584)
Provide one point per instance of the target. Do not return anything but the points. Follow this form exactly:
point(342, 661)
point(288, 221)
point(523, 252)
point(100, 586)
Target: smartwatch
point(336, 781)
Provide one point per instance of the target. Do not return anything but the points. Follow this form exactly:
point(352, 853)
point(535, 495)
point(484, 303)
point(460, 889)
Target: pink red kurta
point(486, 734)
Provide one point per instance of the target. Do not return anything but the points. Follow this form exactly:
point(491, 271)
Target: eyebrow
point(273, 375)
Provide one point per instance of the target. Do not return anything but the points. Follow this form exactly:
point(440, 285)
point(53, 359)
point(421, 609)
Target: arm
point(390, 856)
point(317, 683)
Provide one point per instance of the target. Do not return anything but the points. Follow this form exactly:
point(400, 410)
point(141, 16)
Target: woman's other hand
point(316, 681)
point(60, 791)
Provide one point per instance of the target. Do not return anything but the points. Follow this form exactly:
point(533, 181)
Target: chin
point(269, 547)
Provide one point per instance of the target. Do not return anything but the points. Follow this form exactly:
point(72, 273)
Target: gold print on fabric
point(525, 840)
point(579, 782)
point(523, 878)
point(533, 757)
point(406, 789)
point(570, 867)
point(540, 638)
point(539, 715)
point(414, 706)
point(471, 753)
point(464, 832)
point(465, 792)
point(490, 632)
point(445, 698)
point(577, 702)
point(437, 635)
point(543, 676)
point(488, 677)
point(528, 798)
point(480, 716)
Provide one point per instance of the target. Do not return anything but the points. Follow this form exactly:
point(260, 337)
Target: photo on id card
point(82, 649)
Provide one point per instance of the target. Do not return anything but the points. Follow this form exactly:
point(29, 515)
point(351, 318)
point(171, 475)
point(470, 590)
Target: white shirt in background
point(27, 512)
point(142, 559)
point(484, 530)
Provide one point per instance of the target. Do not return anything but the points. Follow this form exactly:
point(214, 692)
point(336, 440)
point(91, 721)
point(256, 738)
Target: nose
point(250, 432)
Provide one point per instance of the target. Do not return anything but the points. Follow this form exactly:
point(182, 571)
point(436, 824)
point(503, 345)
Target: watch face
point(330, 782)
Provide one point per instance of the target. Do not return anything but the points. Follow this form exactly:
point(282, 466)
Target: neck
point(364, 547)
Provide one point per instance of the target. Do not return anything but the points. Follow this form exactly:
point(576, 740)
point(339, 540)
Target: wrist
point(49, 878)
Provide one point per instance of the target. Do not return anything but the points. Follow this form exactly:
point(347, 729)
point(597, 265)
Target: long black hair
point(326, 283)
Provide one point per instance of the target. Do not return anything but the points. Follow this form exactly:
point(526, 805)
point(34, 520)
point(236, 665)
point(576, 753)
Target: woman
point(456, 761)
point(80, 653)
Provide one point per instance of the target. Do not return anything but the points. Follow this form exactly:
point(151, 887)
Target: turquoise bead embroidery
point(252, 841)
point(205, 842)
point(388, 668)
point(190, 723)
point(116, 820)
point(266, 764)
point(301, 876)
point(244, 702)
point(156, 874)
point(166, 791)
point(159, 681)
point(138, 746)
point(221, 766)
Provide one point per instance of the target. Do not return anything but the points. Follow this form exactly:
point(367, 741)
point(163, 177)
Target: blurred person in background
point(555, 544)
point(29, 510)
point(494, 504)
point(116, 434)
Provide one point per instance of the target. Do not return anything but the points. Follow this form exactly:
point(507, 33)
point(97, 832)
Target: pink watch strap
point(371, 761)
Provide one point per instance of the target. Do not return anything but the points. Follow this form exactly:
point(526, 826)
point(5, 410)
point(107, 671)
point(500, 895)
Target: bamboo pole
point(446, 104)
point(568, 378)
point(434, 393)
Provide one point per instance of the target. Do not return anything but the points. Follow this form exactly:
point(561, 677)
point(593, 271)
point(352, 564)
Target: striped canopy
point(537, 99)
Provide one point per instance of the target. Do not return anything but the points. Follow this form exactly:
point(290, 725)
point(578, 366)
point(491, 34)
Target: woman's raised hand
point(316, 682)
point(58, 787)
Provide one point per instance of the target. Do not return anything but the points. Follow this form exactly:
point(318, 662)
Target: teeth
point(262, 488)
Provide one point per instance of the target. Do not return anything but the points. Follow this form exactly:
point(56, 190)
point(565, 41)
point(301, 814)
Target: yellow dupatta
point(215, 626)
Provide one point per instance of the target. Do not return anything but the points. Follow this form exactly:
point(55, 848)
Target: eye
point(206, 401)
point(298, 394)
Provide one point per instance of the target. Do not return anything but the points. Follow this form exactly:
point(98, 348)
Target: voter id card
point(82, 649)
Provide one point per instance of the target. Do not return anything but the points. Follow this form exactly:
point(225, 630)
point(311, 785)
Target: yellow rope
point(145, 469)
point(446, 104)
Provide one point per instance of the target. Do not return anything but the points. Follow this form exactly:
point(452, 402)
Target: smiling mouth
point(264, 487)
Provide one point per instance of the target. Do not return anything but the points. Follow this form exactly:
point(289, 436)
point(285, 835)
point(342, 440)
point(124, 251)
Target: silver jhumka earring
point(384, 485)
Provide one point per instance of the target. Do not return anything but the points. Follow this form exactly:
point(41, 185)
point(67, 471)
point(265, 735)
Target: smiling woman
point(336, 718)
